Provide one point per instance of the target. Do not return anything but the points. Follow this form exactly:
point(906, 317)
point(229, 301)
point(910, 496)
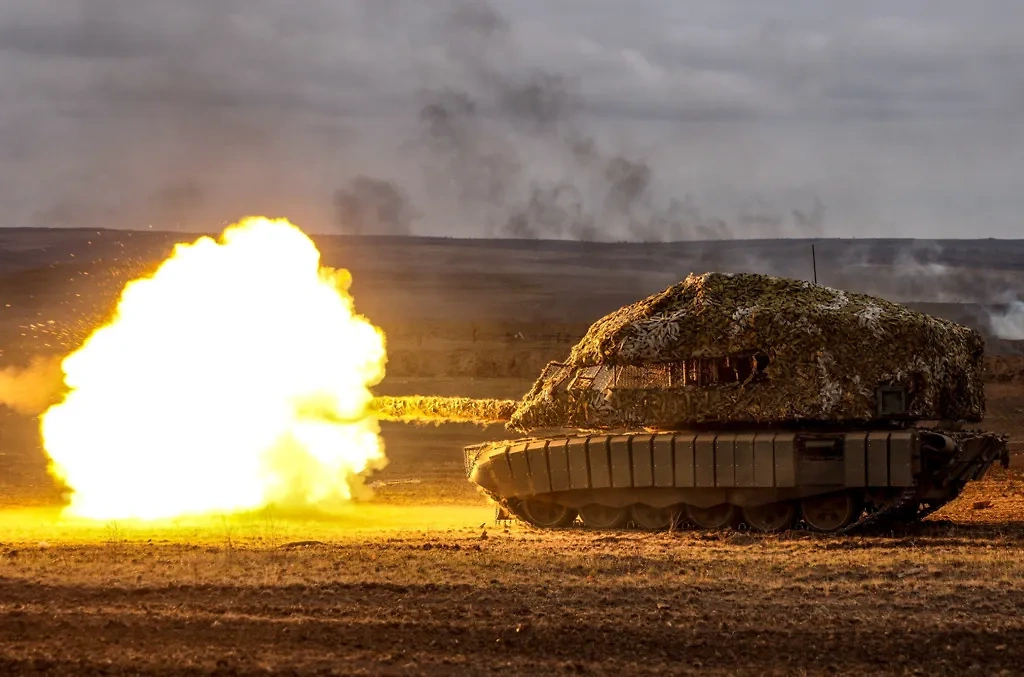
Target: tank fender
point(939, 442)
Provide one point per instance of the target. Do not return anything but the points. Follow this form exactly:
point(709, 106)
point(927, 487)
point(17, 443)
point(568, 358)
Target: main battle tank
point(732, 399)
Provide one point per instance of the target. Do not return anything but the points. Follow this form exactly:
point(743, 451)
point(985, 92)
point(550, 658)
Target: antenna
point(814, 264)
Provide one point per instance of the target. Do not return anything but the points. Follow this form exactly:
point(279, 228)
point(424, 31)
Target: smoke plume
point(368, 206)
point(1010, 324)
point(33, 389)
point(512, 144)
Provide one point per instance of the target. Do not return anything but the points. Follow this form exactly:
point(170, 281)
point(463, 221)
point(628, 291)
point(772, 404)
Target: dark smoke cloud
point(368, 206)
point(477, 132)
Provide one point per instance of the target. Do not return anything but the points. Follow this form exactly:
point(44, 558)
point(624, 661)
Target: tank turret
point(759, 350)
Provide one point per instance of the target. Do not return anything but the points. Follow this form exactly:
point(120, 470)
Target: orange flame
point(234, 377)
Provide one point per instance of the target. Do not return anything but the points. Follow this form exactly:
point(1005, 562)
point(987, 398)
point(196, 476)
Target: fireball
point(235, 377)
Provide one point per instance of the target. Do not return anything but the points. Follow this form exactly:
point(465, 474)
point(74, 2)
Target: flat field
point(255, 597)
point(421, 579)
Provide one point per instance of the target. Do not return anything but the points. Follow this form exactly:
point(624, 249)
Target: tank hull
point(770, 480)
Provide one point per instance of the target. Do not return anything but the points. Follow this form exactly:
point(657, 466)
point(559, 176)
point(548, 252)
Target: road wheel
point(831, 512)
point(598, 516)
point(721, 516)
point(547, 515)
point(770, 517)
point(652, 519)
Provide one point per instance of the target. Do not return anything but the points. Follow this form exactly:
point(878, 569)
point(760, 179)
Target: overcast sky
point(577, 118)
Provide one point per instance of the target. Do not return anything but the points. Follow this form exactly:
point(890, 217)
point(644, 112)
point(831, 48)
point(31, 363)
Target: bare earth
point(944, 598)
point(422, 580)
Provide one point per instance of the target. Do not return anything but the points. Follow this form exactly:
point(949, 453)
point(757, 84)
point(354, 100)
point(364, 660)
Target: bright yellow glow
point(235, 377)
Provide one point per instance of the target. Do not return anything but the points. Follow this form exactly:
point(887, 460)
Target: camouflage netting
point(418, 409)
point(745, 348)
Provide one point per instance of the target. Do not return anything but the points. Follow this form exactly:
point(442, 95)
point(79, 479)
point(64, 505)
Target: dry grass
point(419, 589)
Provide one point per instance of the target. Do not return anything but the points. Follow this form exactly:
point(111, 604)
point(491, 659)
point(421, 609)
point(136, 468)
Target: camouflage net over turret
point(744, 348)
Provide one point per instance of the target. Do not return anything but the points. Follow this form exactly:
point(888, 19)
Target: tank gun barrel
point(425, 409)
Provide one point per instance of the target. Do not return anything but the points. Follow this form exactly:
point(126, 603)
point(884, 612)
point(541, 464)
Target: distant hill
point(400, 279)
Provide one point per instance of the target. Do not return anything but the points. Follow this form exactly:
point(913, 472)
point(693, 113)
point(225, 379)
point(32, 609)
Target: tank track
point(894, 513)
point(939, 481)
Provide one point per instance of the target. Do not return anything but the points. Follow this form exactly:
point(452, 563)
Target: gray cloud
point(895, 118)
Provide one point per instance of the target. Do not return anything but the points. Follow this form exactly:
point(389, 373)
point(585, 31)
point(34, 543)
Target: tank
point(739, 399)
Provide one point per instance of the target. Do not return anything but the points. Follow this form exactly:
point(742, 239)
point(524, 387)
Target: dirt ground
point(940, 598)
point(422, 580)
